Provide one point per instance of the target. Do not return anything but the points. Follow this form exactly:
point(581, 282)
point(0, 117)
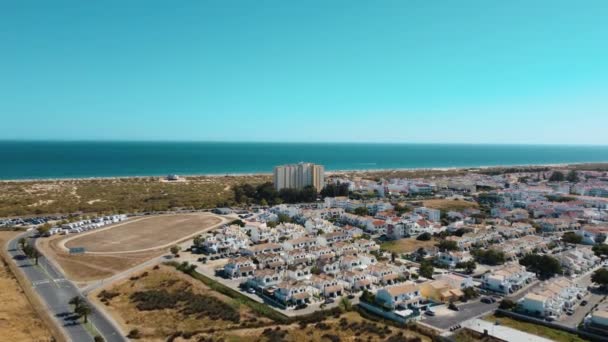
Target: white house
point(405, 295)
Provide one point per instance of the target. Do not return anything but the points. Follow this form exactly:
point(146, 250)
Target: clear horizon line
point(298, 142)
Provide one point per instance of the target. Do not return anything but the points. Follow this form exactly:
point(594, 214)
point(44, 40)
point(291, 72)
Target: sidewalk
point(502, 332)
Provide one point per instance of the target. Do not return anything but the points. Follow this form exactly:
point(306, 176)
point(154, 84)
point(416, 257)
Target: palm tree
point(35, 255)
point(77, 301)
point(84, 311)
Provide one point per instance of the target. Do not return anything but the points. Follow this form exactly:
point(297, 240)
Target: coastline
point(327, 172)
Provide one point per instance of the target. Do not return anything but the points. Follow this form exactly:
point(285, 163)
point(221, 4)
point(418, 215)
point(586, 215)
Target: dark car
point(487, 300)
point(301, 306)
point(429, 313)
point(583, 303)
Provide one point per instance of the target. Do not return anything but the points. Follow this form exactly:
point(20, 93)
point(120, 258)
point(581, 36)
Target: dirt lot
point(408, 245)
point(18, 320)
point(143, 233)
point(449, 205)
point(83, 268)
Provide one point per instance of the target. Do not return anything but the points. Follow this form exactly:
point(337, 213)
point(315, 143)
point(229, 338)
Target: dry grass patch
point(152, 302)
point(407, 245)
point(350, 326)
point(18, 320)
point(449, 205)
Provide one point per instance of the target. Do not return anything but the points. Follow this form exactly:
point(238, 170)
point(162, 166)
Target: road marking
point(40, 282)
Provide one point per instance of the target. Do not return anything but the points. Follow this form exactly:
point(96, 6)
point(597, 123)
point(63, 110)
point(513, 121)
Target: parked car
point(569, 312)
point(251, 290)
point(488, 300)
point(301, 306)
point(329, 300)
point(583, 303)
point(429, 313)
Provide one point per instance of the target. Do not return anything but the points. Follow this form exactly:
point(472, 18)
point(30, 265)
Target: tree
point(557, 176)
point(544, 266)
point(469, 266)
point(283, 218)
point(198, 240)
point(77, 301)
point(571, 237)
point(426, 269)
point(83, 311)
point(490, 257)
point(239, 223)
point(572, 177)
point(470, 293)
point(361, 211)
point(35, 254)
point(600, 277)
point(600, 249)
point(22, 242)
point(447, 245)
point(44, 229)
point(426, 236)
point(175, 250)
point(367, 297)
point(507, 304)
point(98, 339)
point(345, 304)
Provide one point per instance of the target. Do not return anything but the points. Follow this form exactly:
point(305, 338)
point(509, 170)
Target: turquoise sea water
point(28, 160)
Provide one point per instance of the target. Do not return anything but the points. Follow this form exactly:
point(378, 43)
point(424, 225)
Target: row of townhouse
point(558, 224)
point(350, 205)
point(412, 225)
point(228, 239)
point(508, 279)
point(593, 234)
point(578, 260)
point(450, 259)
point(552, 298)
point(414, 295)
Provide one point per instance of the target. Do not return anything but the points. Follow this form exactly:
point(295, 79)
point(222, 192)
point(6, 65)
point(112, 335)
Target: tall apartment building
point(297, 176)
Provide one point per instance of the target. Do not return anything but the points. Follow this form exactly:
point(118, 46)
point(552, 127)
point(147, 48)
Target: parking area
point(592, 298)
point(445, 318)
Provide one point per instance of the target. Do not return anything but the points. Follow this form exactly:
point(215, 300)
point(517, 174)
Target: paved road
point(56, 291)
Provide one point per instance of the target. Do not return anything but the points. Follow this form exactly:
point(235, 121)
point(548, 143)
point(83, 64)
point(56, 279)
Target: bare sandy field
point(123, 246)
point(141, 234)
point(83, 268)
point(18, 320)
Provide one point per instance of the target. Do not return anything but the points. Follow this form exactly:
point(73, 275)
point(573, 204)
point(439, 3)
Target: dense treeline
point(544, 266)
point(266, 194)
point(335, 190)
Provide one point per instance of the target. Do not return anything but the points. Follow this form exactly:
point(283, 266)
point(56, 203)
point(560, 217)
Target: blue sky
point(388, 71)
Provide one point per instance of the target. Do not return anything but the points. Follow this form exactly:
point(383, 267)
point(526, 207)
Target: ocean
point(39, 160)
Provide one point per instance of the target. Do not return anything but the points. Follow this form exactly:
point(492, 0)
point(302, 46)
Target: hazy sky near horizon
point(481, 71)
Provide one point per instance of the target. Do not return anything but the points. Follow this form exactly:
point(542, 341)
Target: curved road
point(56, 291)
